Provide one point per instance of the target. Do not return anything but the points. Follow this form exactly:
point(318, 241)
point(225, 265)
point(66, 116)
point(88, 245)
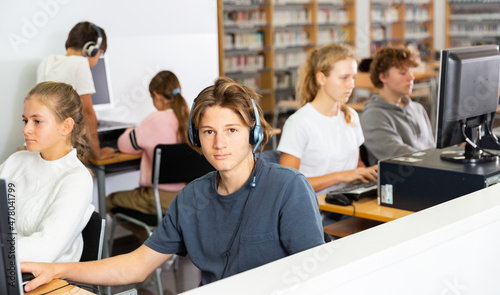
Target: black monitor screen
point(9, 268)
point(468, 96)
point(102, 96)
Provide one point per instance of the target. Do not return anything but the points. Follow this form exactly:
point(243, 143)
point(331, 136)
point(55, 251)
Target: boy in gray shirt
point(392, 123)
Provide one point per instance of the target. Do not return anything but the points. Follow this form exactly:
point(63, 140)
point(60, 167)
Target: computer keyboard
point(357, 190)
point(109, 138)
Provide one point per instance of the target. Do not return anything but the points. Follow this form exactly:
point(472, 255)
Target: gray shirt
point(391, 130)
point(281, 218)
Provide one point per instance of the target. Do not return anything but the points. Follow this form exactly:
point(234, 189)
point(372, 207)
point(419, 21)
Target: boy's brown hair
point(388, 57)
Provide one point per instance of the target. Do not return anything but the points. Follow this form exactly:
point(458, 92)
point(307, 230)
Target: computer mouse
point(26, 277)
point(338, 199)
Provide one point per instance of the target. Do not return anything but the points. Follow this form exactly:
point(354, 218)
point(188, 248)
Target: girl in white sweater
point(52, 187)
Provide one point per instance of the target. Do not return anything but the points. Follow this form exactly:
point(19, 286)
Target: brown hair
point(82, 33)
point(64, 102)
point(164, 83)
point(322, 60)
point(388, 57)
point(226, 93)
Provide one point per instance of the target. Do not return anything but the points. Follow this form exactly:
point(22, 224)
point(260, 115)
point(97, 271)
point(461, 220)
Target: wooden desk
point(66, 289)
point(368, 211)
point(367, 208)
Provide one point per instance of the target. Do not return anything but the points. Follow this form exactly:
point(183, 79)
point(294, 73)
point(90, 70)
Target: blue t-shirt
point(280, 219)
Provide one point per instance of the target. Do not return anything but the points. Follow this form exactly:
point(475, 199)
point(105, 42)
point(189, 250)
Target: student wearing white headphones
point(245, 214)
point(86, 42)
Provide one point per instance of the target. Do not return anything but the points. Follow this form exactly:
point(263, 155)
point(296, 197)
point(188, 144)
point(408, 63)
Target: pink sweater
point(158, 128)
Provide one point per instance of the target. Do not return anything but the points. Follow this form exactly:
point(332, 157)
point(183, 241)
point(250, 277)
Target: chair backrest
point(93, 238)
point(174, 163)
point(363, 154)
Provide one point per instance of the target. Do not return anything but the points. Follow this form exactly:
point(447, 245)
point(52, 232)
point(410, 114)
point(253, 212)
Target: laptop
point(108, 137)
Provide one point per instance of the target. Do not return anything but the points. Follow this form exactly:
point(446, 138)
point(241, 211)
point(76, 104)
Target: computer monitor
point(10, 275)
point(102, 99)
point(467, 100)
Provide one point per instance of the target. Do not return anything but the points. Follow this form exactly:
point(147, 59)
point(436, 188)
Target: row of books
point(476, 30)
point(243, 2)
point(243, 63)
point(248, 18)
point(412, 32)
point(252, 82)
point(417, 35)
point(291, 39)
point(283, 61)
point(417, 15)
point(284, 2)
point(283, 81)
point(387, 2)
point(476, 16)
point(473, 1)
point(387, 15)
point(466, 43)
point(251, 41)
point(331, 36)
point(331, 16)
point(418, 2)
point(291, 17)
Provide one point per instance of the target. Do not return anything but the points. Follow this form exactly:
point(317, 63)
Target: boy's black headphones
point(91, 48)
point(256, 133)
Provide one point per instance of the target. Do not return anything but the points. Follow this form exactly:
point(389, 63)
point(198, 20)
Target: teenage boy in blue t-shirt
point(257, 212)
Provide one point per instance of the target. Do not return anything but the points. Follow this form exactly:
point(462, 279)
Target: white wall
point(439, 24)
point(143, 38)
point(363, 28)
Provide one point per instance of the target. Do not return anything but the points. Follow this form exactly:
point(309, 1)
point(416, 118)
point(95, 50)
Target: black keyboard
point(357, 190)
point(110, 138)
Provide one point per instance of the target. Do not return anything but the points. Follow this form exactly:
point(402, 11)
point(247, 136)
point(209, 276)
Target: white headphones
point(91, 48)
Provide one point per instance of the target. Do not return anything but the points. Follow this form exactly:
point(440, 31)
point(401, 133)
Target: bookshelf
point(263, 42)
point(403, 22)
point(472, 22)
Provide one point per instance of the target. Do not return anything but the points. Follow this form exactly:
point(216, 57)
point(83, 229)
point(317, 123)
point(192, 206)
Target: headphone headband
point(256, 133)
point(91, 48)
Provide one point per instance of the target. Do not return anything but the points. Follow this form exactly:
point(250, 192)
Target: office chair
point(93, 241)
point(363, 154)
point(93, 238)
point(172, 163)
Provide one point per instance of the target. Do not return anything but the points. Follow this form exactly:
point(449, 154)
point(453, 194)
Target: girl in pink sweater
point(166, 126)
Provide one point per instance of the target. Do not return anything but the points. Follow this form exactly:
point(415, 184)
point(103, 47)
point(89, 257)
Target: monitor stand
point(471, 154)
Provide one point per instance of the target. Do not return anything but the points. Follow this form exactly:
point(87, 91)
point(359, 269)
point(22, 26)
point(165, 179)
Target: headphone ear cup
point(258, 136)
point(192, 132)
point(89, 49)
point(195, 140)
point(252, 136)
